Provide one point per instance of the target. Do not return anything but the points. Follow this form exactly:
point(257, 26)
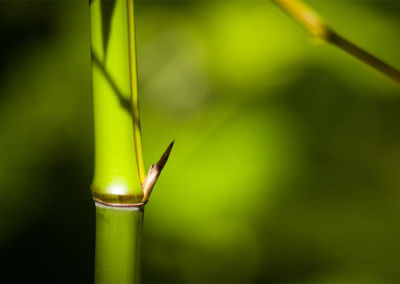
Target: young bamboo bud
point(154, 173)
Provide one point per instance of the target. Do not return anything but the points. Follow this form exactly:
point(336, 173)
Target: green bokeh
point(287, 157)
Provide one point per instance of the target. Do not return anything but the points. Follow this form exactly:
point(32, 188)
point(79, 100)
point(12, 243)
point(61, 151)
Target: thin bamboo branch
point(364, 56)
point(134, 90)
point(314, 24)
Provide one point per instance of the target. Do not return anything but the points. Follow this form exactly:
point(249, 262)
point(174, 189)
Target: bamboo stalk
point(118, 244)
point(120, 187)
point(115, 176)
point(116, 183)
point(314, 24)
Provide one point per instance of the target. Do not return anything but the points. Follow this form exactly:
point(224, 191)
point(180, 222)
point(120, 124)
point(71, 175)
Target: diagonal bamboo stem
point(314, 24)
point(364, 56)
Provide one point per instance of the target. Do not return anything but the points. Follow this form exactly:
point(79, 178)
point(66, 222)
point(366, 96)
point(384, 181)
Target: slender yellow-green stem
point(314, 24)
point(116, 178)
point(120, 186)
point(134, 90)
point(118, 244)
point(119, 168)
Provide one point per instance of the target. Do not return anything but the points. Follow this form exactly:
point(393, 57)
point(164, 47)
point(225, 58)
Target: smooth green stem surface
point(118, 241)
point(118, 151)
point(119, 167)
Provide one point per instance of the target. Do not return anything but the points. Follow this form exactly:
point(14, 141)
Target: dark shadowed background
point(286, 166)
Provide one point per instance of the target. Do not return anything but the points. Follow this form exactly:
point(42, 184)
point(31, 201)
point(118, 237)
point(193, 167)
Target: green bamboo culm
point(119, 168)
point(118, 243)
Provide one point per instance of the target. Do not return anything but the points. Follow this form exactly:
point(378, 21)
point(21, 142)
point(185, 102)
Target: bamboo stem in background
point(314, 24)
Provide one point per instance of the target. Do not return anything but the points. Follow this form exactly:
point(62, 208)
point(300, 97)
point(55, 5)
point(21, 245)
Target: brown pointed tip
point(154, 173)
point(164, 158)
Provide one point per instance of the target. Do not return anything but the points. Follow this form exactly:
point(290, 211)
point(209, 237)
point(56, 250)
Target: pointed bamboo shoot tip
point(164, 158)
point(154, 173)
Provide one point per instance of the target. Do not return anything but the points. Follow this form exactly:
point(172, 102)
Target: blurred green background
point(286, 166)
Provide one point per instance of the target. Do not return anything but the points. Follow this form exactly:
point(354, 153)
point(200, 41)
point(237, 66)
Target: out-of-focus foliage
point(287, 157)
